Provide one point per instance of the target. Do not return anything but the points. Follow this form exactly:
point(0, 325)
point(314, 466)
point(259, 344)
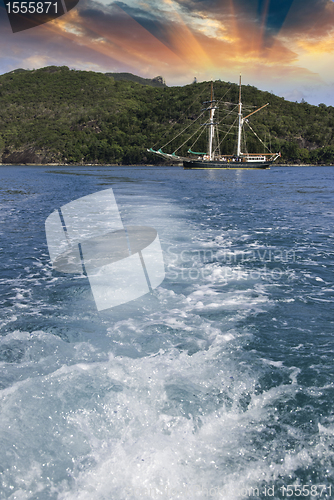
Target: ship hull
point(199, 164)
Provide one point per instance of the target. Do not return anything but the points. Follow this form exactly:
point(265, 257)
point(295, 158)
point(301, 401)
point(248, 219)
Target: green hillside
point(158, 81)
point(57, 115)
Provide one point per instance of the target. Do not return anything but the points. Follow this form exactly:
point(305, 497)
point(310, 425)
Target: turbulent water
point(218, 384)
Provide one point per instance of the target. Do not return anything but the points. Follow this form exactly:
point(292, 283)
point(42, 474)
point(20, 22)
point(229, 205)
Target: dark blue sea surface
point(218, 384)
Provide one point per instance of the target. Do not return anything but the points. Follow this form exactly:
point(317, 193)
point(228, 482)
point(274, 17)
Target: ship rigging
point(213, 158)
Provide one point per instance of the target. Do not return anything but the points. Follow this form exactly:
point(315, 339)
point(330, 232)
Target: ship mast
point(211, 124)
point(240, 121)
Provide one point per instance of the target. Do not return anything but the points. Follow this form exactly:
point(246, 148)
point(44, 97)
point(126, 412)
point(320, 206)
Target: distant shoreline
point(135, 165)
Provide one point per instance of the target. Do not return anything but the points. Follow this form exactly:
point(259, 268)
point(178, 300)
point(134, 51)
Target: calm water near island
point(218, 384)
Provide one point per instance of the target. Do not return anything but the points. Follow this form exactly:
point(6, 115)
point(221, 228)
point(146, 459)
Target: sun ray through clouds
point(277, 44)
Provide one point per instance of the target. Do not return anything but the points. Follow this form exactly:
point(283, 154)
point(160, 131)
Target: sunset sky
point(284, 46)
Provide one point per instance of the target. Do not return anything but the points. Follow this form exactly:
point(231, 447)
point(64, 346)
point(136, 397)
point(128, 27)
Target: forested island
point(58, 115)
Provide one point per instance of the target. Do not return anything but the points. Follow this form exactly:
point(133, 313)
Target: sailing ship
point(212, 158)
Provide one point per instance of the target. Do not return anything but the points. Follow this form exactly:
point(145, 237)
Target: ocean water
point(218, 384)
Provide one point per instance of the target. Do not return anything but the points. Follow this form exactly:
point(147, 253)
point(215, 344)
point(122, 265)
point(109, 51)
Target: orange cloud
point(180, 39)
point(118, 37)
point(184, 50)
